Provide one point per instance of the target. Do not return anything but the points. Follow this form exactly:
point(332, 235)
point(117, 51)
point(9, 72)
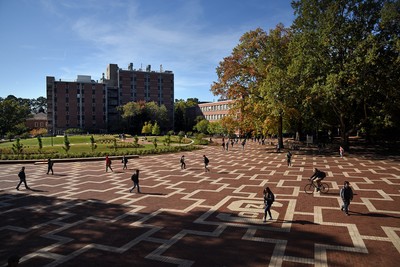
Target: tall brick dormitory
point(92, 105)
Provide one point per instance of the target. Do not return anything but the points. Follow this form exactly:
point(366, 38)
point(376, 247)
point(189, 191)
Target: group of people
point(345, 193)
point(205, 159)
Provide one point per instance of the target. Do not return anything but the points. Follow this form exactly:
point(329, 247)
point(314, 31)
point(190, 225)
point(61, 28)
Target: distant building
point(215, 111)
point(38, 121)
point(92, 106)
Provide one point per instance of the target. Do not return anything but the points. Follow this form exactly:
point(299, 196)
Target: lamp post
point(51, 136)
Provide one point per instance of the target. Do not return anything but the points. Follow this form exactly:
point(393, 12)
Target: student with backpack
point(269, 199)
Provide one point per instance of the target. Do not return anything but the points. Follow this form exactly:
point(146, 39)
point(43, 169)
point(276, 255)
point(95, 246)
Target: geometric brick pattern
point(83, 216)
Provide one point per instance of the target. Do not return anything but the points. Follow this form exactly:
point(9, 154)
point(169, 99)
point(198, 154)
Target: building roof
point(39, 116)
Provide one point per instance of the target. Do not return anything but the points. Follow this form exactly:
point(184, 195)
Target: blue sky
point(66, 38)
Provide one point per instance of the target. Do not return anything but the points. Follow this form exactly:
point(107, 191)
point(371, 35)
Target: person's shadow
point(37, 190)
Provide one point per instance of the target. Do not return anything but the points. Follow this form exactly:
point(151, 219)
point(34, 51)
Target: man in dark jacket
point(135, 180)
point(346, 193)
point(22, 178)
point(50, 164)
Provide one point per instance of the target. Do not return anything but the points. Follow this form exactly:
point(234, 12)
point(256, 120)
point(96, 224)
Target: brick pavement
point(83, 216)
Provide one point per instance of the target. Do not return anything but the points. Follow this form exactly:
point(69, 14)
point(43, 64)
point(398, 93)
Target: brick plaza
point(83, 216)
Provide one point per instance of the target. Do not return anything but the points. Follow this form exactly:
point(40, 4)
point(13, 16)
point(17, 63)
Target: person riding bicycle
point(318, 176)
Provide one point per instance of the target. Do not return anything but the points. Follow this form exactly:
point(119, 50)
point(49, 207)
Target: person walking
point(22, 179)
point(243, 143)
point(341, 151)
point(269, 199)
point(206, 161)
point(183, 164)
point(135, 180)
point(50, 164)
point(346, 193)
point(289, 158)
point(108, 164)
point(125, 162)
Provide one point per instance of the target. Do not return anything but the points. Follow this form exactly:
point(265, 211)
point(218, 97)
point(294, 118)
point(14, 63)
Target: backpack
point(322, 175)
point(272, 199)
point(206, 160)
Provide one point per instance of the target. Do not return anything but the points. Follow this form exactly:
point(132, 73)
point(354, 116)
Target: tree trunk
point(280, 130)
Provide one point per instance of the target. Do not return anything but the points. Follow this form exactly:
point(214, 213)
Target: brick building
point(37, 121)
point(92, 105)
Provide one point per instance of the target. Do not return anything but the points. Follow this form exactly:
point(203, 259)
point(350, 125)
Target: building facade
point(92, 105)
point(37, 121)
point(215, 111)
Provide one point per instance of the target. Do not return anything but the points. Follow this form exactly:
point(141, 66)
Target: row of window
point(214, 117)
point(40, 124)
point(94, 89)
point(79, 118)
point(215, 107)
point(68, 124)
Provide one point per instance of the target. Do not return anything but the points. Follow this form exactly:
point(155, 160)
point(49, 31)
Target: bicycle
point(309, 188)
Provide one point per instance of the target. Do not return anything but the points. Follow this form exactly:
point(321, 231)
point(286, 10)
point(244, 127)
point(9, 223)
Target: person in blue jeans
point(346, 193)
point(269, 199)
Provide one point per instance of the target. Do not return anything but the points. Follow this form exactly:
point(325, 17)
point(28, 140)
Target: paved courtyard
point(83, 216)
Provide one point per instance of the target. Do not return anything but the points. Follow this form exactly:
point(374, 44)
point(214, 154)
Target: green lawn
point(80, 146)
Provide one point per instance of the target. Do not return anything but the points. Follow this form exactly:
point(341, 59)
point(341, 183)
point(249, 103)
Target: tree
point(146, 128)
point(93, 144)
point(12, 114)
point(67, 144)
point(135, 114)
point(17, 148)
point(185, 114)
point(202, 126)
point(216, 127)
point(345, 55)
point(39, 104)
point(40, 143)
point(255, 75)
point(155, 130)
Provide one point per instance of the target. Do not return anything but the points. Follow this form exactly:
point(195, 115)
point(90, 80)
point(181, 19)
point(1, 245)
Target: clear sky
point(66, 38)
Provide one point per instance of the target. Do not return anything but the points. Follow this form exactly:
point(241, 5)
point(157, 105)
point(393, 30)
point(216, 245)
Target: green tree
point(39, 104)
point(40, 143)
point(13, 115)
point(17, 148)
point(93, 144)
point(67, 144)
point(181, 134)
point(345, 55)
point(167, 140)
point(136, 140)
point(185, 114)
point(146, 128)
point(135, 114)
point(202, 126)
point(216, 127)
point(155, 142)
point(155, 130)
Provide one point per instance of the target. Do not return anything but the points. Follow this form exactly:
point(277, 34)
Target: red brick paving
point(82, 216)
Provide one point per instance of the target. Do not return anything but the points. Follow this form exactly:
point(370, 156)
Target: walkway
point(83, 216)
